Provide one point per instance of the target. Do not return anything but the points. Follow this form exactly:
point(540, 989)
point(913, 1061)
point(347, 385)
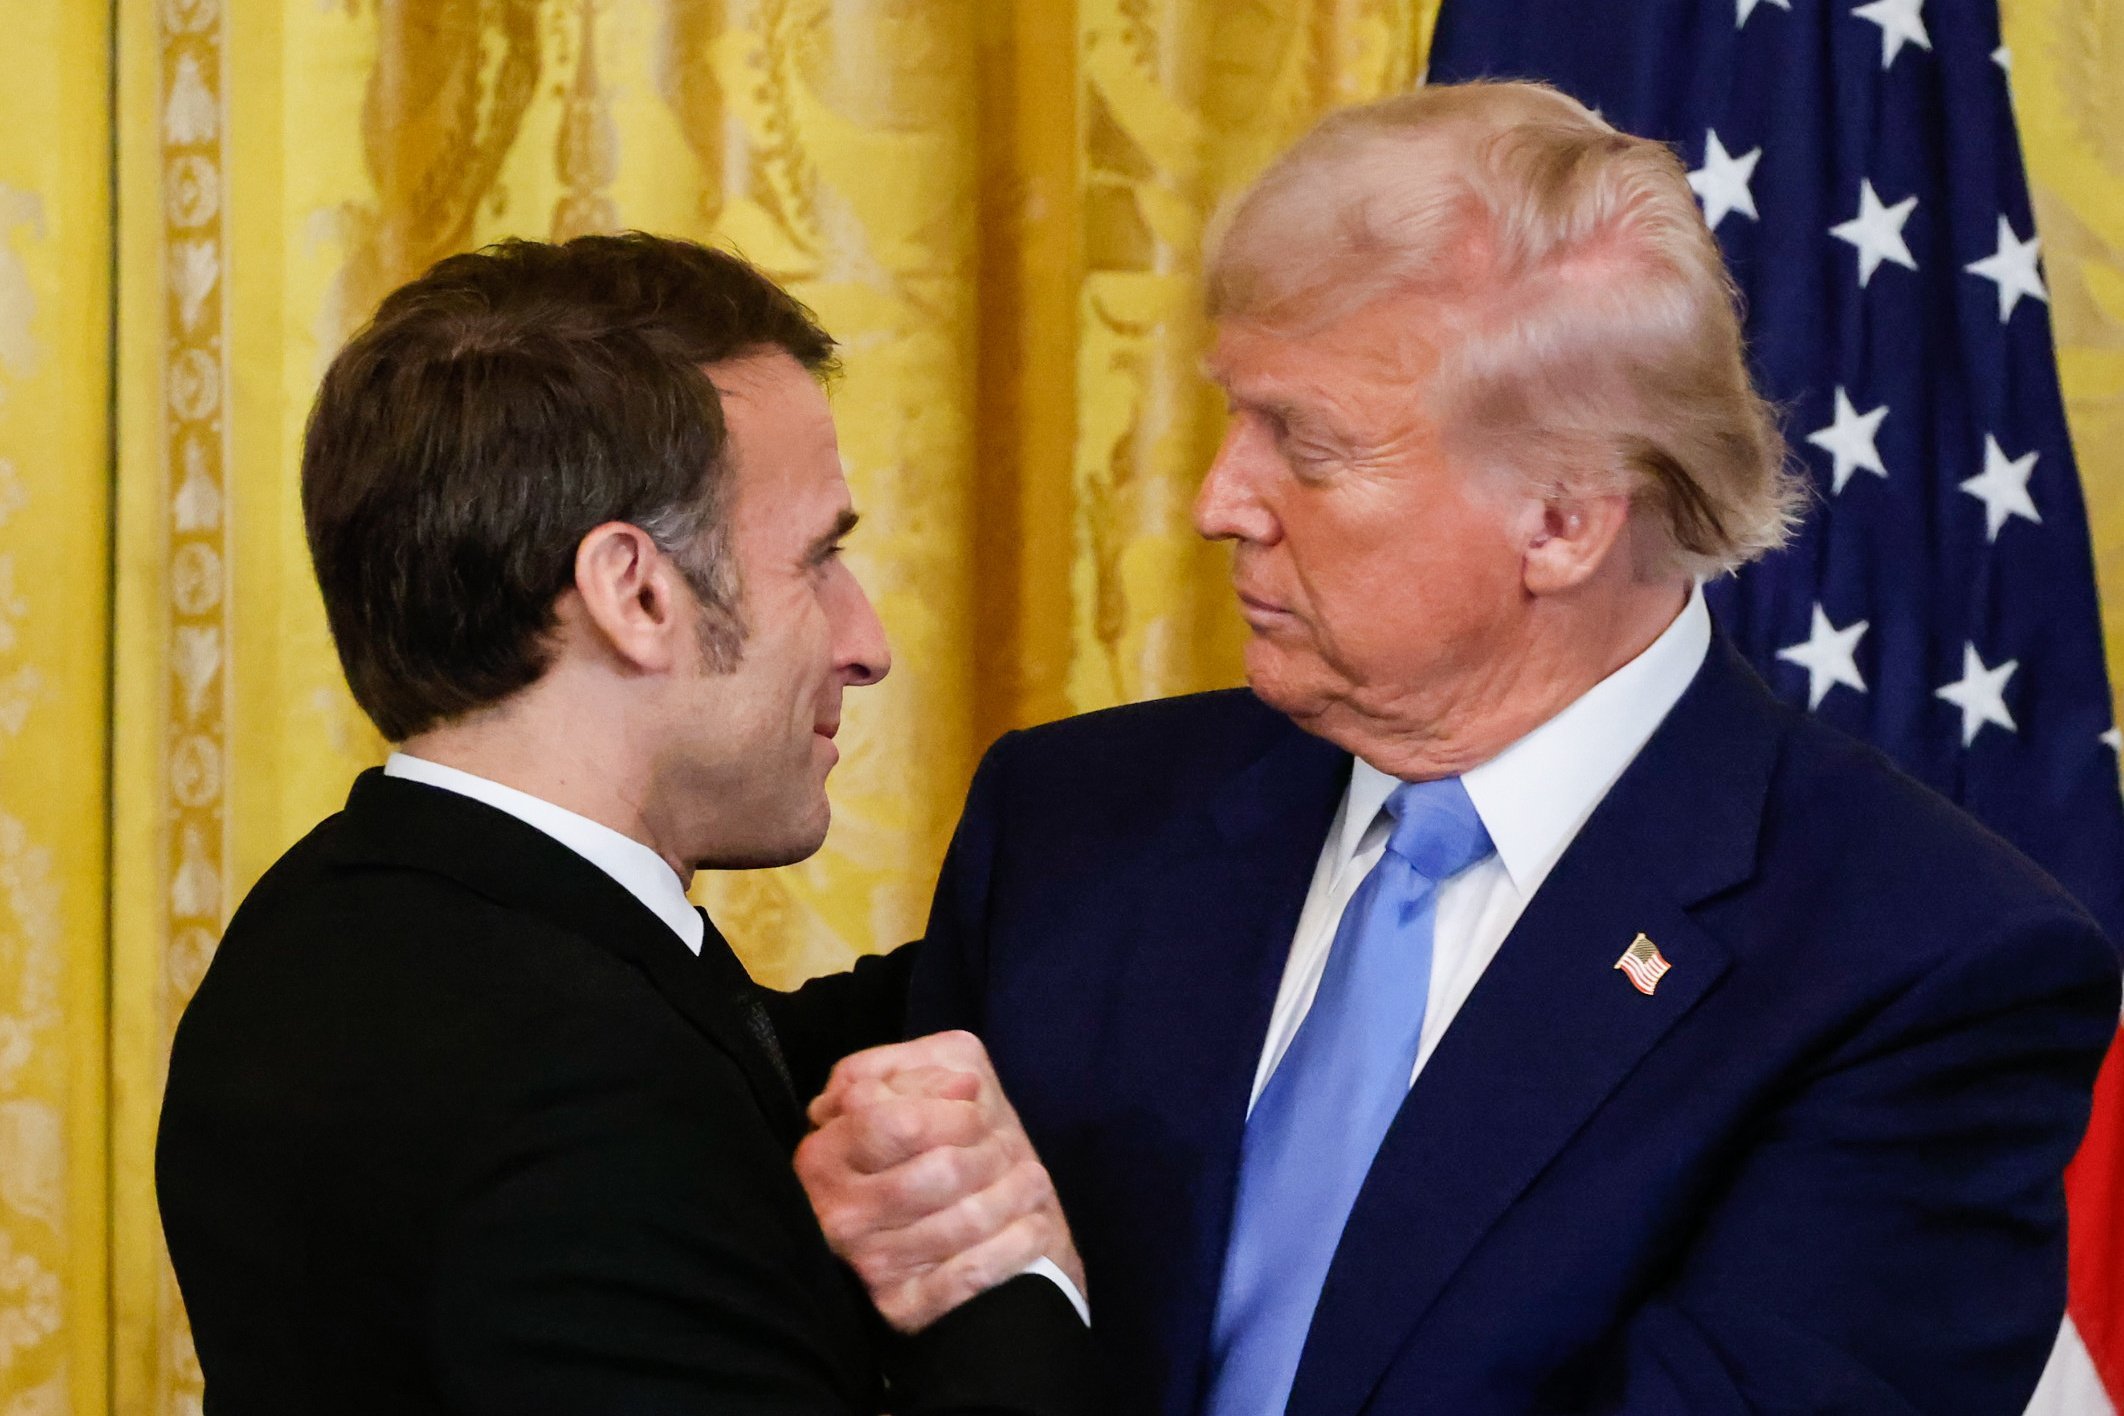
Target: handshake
point(924, 1181)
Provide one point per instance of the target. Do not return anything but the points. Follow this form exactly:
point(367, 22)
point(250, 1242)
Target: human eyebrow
point(826, 544)
point(1288, 416)
point(1289, 421)
point(1282, 413)
point(1275, 411)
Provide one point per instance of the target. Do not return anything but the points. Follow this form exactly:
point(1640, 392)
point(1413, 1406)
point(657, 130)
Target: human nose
point(861, 652)
point(1228, 507)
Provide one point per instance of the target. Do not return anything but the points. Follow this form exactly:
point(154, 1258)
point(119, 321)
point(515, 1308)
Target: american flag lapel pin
point(1643, 965)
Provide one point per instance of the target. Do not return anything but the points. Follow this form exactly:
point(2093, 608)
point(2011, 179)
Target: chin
point(1283, 684)
point(762, 855)
point(773, 843)
point(802, 842)
point(806, 844)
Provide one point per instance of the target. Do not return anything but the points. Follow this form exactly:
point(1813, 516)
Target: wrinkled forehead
point(1393, 342)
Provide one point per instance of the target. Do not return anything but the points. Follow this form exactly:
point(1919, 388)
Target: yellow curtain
point(55, 609)
point(2068, 92)
point(996, 204)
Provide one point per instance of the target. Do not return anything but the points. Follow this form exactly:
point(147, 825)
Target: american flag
point(1644, 965)
point(1860, 165)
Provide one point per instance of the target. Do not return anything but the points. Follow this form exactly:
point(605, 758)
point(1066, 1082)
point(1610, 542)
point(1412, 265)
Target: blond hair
point(1587, 334)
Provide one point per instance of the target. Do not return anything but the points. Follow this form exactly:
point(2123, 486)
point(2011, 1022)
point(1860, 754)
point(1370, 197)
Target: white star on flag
point(1829, 657)
point(2003, 488)
point(1980, 693)
point(1747, 8)
point(2113, 740)
point(1722, 182)
point(1877, 232)
point(2013, 269)
point(1849, 440)
point(1901, 22)
point(2003, 57)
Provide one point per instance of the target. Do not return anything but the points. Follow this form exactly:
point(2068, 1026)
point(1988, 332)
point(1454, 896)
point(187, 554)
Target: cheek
point(780, 663)
point(810, 653)
point(1405, 584)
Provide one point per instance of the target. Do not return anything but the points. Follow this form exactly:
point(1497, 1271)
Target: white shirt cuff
point(1048, 1268)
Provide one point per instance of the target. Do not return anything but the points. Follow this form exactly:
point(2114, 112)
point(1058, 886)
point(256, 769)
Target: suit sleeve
point(637, 1244)
point(929, 986)
point(988, 1354)
point(1894, 1239)
point(832, 1016)
point(947, 982)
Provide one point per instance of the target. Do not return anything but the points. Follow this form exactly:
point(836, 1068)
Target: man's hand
point(924, 1181)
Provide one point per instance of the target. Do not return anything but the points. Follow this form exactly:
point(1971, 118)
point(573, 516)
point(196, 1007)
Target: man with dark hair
point(474, 1112)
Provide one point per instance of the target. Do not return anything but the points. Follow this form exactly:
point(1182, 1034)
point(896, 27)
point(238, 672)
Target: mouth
point(1260, 613)
point(826, 730)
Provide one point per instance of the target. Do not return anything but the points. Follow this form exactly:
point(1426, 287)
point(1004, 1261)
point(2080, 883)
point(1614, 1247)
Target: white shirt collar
point(642, 872)
point(1535, 795)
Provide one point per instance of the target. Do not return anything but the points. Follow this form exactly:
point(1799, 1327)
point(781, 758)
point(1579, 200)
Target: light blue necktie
point(1327, 1106)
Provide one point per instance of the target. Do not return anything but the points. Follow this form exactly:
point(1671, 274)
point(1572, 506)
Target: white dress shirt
point(644, 874)
point(1533, 797)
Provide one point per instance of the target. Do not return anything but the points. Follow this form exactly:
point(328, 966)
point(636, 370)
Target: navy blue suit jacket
point(1817, 1171)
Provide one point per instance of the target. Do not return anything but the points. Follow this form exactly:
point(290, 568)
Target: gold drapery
point(2066, 56)
point(55, 614)
point(996, 204)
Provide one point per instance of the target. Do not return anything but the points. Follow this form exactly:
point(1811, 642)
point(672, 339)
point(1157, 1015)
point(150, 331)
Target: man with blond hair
point(1509, 1006)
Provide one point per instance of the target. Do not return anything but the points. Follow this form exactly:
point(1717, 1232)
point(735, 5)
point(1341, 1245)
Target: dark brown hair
point(493, 413)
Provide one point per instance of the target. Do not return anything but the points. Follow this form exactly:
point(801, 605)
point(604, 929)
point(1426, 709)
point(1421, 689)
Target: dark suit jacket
point(455, 1124)
point(1817, 1171)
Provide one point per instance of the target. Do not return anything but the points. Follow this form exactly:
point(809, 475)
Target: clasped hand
point(924, 1181)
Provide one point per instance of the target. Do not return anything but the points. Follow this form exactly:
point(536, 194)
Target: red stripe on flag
point(2094, 1193)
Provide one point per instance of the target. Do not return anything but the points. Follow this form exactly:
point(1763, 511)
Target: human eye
point(1311, 456)
point(826, 550)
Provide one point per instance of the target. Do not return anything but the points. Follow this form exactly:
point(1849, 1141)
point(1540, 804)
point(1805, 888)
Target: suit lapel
point(709, 991)
point(1195, 1005)
point(415, 826)
point(1552, 1028)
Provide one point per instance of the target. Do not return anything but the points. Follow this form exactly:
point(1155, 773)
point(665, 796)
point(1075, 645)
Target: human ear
point(1569, 539)
point(630, 595)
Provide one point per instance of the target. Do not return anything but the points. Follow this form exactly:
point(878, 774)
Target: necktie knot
point(1436, 828)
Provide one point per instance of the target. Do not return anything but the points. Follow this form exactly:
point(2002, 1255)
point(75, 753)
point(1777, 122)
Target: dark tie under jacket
point(734, 985)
